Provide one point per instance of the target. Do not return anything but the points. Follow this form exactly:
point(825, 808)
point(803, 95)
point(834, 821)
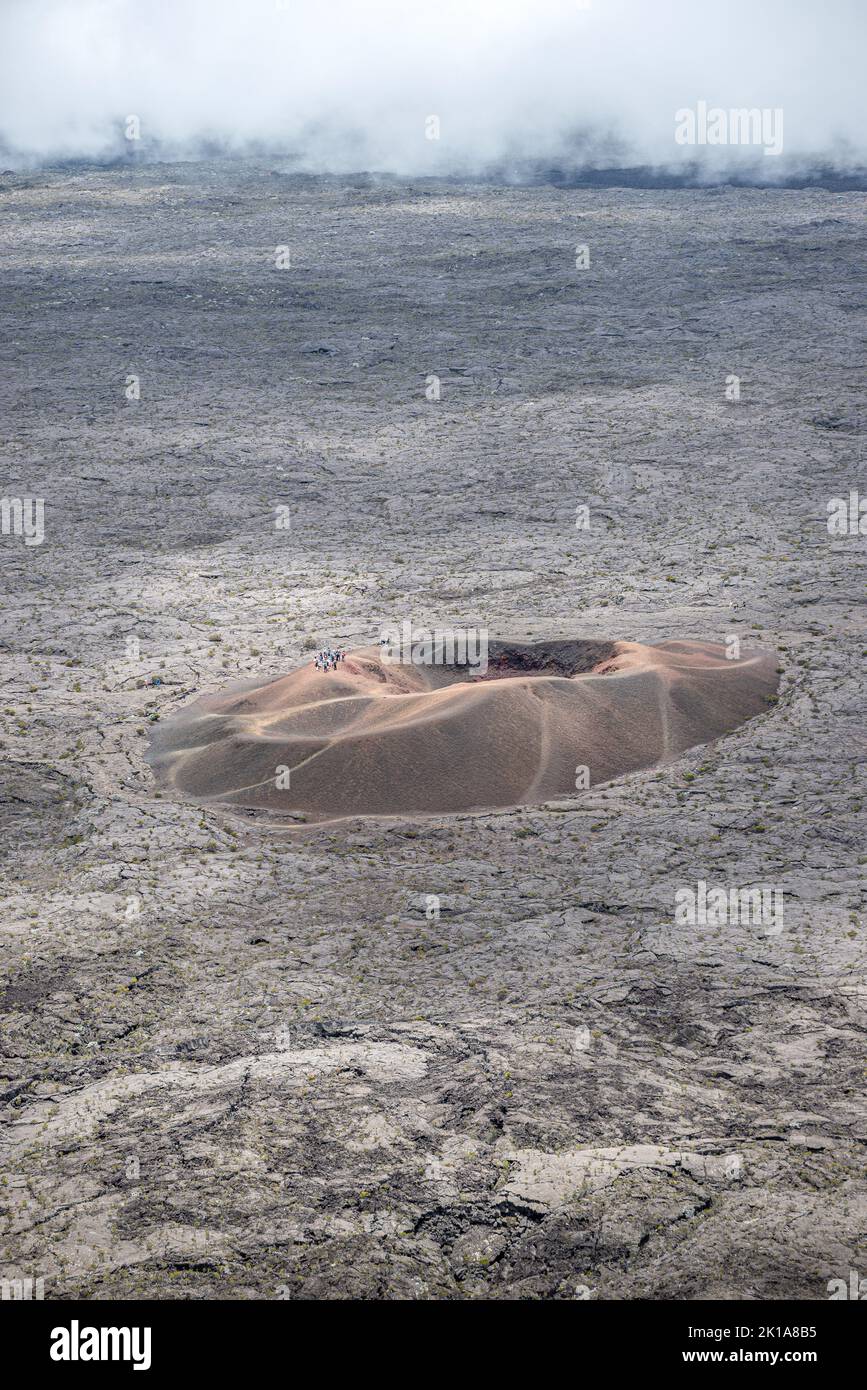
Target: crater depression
point(374, 737)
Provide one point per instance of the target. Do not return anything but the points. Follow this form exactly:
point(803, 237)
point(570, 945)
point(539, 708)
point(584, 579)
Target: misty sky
point(344, 85)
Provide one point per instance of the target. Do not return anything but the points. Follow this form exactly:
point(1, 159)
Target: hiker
point(327, 658)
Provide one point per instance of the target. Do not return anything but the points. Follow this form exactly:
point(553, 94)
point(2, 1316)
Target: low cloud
point(341, 86)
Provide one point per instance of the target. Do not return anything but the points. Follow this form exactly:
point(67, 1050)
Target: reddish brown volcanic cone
point(378, 739)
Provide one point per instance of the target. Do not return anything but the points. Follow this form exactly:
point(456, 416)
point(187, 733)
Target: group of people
point(327, 659)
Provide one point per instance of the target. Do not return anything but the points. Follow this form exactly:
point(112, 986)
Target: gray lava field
point(478, 1056)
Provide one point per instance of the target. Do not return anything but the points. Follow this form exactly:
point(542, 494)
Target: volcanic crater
point(375, 737)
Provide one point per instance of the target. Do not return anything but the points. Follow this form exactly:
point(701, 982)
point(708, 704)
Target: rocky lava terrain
point(469, 1056)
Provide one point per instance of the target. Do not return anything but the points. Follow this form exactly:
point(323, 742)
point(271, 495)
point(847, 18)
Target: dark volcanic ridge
point(380, 737)
point(791, 173)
